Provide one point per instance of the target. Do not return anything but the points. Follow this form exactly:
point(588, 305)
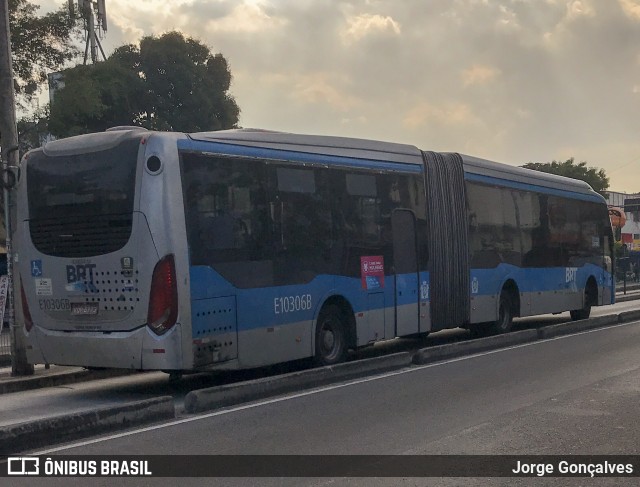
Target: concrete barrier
point(629, 316)
point(230, 394)
point(452, 350)
point(58, 429)
point(576, 326)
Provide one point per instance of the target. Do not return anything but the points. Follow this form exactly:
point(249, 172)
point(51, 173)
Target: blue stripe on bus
point(490, 281)
point(285, 155)
point(281, 305)
point(565, 193)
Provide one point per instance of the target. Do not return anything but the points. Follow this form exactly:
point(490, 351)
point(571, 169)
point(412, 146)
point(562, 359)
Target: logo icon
point(23, 466)
point(36, 268)
point(424, 290)
point(475, 285)
point(127, 266)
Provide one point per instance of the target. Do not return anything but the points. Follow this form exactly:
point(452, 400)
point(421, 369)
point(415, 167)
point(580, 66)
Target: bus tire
point(590, 297)
point(581, 314)
point(331, 336)
point(504, 323)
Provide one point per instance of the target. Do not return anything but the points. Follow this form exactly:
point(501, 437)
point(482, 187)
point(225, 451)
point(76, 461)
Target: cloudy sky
point(514, 81)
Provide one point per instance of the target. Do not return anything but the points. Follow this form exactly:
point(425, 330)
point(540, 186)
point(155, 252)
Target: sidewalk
point(632, 292)
point(55, 375)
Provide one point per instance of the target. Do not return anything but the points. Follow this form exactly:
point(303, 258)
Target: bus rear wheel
point(504, 323)
point(331, 336)
point(590, 297)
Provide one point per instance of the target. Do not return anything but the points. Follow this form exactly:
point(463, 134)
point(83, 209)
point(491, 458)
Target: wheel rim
point(504, 315)
point(330, 340)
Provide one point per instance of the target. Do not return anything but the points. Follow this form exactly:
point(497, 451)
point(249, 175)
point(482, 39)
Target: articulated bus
point(243, 248)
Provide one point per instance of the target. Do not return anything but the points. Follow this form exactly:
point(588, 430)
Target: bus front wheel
point(331, 336)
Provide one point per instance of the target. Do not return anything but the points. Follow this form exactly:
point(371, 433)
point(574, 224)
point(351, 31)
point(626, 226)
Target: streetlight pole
point(9, 145)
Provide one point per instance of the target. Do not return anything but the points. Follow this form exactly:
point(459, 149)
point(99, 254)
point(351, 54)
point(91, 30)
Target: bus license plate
point(81, 309)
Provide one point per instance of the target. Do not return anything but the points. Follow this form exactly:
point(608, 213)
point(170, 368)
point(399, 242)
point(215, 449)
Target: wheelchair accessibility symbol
point(36, 268)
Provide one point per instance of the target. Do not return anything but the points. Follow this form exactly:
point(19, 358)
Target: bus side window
point(300, 207)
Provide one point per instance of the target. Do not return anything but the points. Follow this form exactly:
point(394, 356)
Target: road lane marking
point(316, 391)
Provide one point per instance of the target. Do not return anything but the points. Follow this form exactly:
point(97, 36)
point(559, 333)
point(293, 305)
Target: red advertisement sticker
point(372, 271)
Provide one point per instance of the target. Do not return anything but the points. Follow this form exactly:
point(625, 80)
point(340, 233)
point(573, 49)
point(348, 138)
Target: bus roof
point(315, 144)
point(483, 167)
point(93, 142)
point(384, 151)
point(327, 145)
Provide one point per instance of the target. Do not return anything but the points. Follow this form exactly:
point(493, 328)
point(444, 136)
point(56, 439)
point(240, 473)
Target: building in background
point(630, 203)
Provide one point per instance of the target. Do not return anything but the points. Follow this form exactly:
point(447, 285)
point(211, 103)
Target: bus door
point(405, 263)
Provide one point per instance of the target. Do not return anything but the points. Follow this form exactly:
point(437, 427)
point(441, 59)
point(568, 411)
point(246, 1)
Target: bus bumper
point(138, 349)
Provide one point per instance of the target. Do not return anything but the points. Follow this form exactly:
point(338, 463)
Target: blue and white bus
point(243, 248)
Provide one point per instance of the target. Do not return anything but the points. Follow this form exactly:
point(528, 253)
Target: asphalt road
point(571, 395)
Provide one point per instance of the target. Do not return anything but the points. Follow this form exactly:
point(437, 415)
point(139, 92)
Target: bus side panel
point(607, 291)
point(161, 203)
point(214, 330)
point(547, 290)
point(541, 290)
point(277, 324)
point(425, 302)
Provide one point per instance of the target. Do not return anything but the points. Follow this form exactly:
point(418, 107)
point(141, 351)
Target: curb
point(53, 380)
point(228, 395)
point(58, 429)
point(451, 350)
point(577, 326)
point(629, 316)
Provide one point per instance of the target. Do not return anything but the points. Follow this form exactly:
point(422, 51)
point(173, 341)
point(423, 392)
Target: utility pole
point(9, 145)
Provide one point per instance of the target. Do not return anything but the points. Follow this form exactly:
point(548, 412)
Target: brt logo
point(80, 272)
point(571, 274)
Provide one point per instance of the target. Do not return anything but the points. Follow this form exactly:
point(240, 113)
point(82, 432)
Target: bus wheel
point(505, 315)
point(581, 314)
point(590, 296)
point(331, 336)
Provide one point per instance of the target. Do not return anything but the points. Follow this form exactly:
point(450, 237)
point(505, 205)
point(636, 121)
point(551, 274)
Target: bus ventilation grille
point(80, 236)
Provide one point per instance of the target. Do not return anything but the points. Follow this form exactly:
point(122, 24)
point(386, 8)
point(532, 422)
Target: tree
point(596, 178)
point(95, 97)
point(39, 44)
point(168, 83)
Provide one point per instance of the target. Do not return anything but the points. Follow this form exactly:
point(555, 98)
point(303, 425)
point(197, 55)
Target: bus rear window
point(88, 184)
point(81, 205)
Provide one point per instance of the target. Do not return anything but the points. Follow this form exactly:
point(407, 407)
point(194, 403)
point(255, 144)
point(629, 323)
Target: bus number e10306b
point(290, 304)
point(54, 304)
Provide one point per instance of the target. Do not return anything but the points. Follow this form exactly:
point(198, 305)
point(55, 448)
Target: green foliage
point(95, 97)
point(39, 44)
point(596, 178)
point(168, 83)
point(31, 128)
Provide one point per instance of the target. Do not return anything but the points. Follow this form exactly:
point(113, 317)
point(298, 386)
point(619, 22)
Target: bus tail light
point(26, 314)
point(163, 300)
